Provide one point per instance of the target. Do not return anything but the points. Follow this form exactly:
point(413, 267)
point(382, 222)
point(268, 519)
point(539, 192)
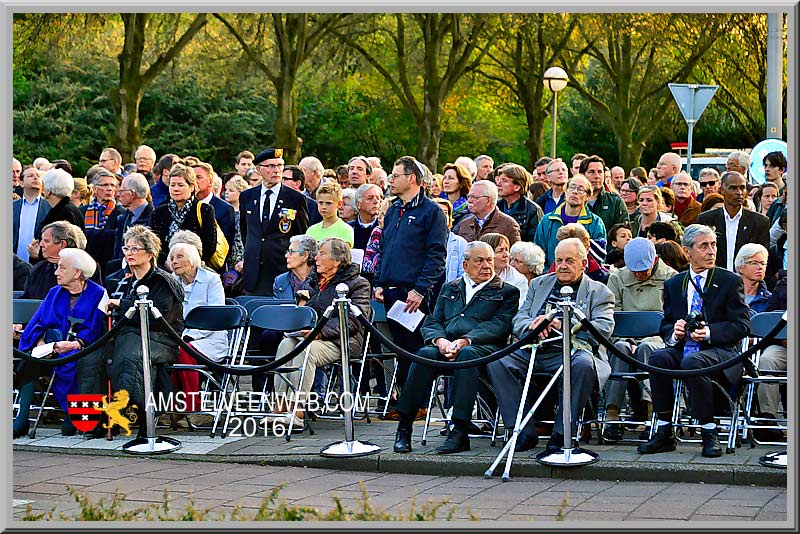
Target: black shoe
point(22, 430)
point(402, 439)
point(663, 441)
point(457, 441)
point(711, 446)
point(555, 443)
point(613, 433)
point(526, 442)
point(764, 435)
point(67, 428)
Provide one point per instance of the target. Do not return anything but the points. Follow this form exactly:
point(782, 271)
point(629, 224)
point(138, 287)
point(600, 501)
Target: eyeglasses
point(578, 189)
point(476, 197)
point(293, 251)
point(126, 190)
point(104, 160)
point(292, 178)
point(106, 185)
point(133, 250)
point(708, 184)
point(393, 176)
point(271, 165)
point(754, 263)
point(625, 191)
point(141, 158)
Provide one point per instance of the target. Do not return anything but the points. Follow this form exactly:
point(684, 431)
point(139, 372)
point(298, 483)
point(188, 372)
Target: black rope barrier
point(56, 362)
point(528, 338)
point(682, 373)
point(238, 369)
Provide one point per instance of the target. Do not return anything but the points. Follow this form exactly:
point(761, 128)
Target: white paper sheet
point(40, 351)
point(358, 256)
point(410, 321)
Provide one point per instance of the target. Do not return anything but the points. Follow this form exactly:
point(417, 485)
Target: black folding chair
point(635, 325)
point(227, 318)
point(281, 318)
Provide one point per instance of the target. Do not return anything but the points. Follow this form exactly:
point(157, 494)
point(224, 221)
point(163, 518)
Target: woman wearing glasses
point(751, 264)
point(142, 247)
point(628, 190)
point(182, 211)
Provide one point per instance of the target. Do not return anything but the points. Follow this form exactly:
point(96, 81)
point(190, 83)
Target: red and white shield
point(85, 410)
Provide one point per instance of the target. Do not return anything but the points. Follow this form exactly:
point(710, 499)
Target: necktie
point(265, 207)
point(697, 306)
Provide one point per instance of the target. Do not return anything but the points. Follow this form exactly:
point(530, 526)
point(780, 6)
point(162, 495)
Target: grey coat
point(593, 299)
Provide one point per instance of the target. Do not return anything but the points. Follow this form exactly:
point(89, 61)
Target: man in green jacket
point(608, 206)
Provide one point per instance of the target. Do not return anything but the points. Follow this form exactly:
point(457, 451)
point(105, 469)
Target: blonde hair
point(333, 189)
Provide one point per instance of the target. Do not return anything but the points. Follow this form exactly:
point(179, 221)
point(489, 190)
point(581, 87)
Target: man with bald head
point(313, 169)
point(668, 166)
point(484, 216)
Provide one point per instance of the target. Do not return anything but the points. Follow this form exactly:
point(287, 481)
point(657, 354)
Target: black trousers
point(416, 392)
point(700, 388)
point(410, 341)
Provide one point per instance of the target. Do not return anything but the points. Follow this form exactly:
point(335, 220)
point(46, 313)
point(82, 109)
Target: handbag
point(217, 261)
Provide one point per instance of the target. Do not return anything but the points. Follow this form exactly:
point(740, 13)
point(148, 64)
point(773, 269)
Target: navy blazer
point(41, 213)
point(727, 315)
point(265, 245)
point(313, 211)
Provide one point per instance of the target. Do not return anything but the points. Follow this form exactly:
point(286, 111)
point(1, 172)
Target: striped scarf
point(97, 214)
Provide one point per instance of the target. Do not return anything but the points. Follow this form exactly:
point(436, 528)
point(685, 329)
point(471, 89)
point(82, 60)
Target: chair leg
point(32, 433)
point(428, 415)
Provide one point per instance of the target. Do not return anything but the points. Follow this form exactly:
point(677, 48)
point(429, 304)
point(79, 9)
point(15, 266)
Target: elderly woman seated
point(69, 317)
point(201, 287)
point(141, 250)
point(751, 264)
point(504, 270)
point(528, 259)
point(56, 236)
point(334, 266)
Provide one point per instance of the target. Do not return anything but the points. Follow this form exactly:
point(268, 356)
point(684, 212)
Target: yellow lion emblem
point(113, 411)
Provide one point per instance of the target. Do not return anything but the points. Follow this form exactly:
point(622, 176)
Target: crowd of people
point(482, 250)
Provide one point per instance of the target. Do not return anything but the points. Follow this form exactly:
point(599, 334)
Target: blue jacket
point(414, 245)
point(760, 300)
point(546, 232)
point(160, 193)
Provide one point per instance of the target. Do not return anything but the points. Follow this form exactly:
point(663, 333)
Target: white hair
point(80, 259)
point(217, 185)
point(190, 251)
point(138, 184)
point(467, 163)
point(58, 182)
point(145, 148)
point(582, 253)
point(350, 193)
point(483, 156)
point(747, 251)
point(532, 255)
point(491, 189)
point(43, 164)
point(362, 190)
point(313, 164)
point(472, 245)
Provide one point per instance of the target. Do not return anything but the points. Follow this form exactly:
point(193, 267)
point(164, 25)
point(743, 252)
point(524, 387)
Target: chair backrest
point(18, 294)
point(283, 318)
point(762, 323)
point(216, 318)
point(637, 324)
point(252, 302)
point(24, 309)
point(378, 311)
point(231, 302)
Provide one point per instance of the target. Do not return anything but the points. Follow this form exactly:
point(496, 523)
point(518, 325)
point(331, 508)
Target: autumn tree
point(631, 58)
point(530, 43)
point(422, 56)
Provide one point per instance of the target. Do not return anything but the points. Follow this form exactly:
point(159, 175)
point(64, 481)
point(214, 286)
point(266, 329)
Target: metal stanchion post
point(568, 455)
point(150, 444)
point(350, 447)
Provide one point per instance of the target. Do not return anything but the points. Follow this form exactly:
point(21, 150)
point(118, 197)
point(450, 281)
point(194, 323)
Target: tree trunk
point(630, 150)
point(285, 125)
point(430, 134)
point(127, 129)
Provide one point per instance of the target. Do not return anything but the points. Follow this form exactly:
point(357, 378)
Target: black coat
point(359, 295)
point(753, 228)
point(22, 269)
point(727, 315)
point(265, 244)
point(65, 210)
point(526, 213)
point(125, 359)
point(208, 231)
point(486, 320)
point(123, 223)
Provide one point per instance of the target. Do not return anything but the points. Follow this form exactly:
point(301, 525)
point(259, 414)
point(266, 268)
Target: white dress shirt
point(731, 229)
point(471, 288)
point(273, 199)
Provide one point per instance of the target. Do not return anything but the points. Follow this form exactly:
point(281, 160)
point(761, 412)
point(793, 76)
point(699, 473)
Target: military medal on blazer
point(287, 216)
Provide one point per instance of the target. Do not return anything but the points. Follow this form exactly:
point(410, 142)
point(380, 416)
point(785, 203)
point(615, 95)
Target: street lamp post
point(555, 79)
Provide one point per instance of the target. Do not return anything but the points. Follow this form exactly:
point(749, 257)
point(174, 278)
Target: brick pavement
point(40, 478)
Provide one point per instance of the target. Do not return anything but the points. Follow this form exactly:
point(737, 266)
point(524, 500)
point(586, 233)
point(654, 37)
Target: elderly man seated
point(589, 368)
point(472, 318)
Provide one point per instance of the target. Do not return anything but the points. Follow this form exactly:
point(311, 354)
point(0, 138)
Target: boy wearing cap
point(639, 286)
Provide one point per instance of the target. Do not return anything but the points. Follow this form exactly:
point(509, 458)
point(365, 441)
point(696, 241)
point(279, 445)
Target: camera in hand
point(694, 321)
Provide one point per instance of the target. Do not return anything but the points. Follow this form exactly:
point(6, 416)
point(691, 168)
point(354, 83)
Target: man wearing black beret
point(271, 214)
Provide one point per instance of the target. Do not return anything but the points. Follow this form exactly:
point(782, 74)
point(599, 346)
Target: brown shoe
point(391, 415)
point(421, 414)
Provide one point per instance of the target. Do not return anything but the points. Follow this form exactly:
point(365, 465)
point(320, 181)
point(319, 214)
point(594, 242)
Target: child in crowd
point(618, 236)
point(329, 200)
